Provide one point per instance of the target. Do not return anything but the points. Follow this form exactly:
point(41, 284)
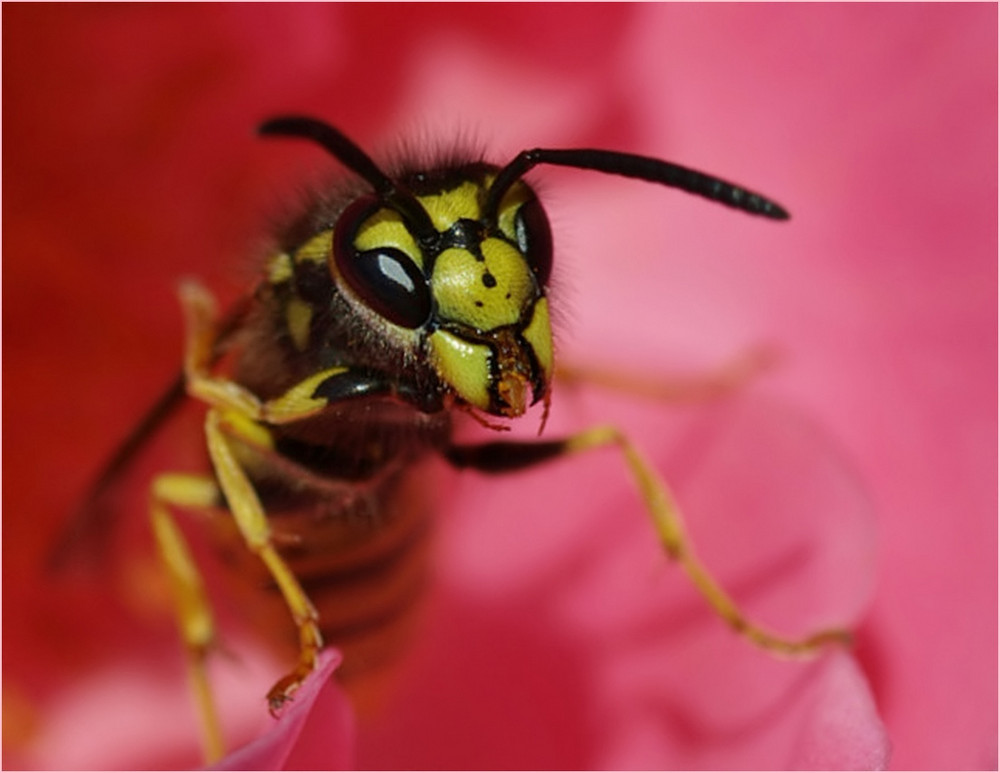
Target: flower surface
point(854, 483)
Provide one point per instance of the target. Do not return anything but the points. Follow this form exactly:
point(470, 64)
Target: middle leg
point(662, 509)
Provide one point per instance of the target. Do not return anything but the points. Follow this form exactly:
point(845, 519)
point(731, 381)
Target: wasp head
point(472, 284)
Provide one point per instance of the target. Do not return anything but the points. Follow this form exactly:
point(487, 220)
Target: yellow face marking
point(538, 333)
point(316, 249)
point(483, 294)
point(279, 269)
point(512, 201)
point(386, 228)
point(298, 317)
point(455, 204)
point(463, 365)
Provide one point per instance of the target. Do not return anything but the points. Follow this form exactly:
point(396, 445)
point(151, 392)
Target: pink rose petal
point(840, 726)
point(557, 641)
point(314, 731)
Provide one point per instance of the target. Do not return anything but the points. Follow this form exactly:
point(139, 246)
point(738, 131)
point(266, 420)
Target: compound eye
point(534, 239)
point(385, 277)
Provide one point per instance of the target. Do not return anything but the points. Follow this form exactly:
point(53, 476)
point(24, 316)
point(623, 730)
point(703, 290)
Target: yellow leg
point(255, 530)
point(200, 315)
point(709, 386)
point(200, 323)
point(236, 413)
point(670, 527)
point(194, 613)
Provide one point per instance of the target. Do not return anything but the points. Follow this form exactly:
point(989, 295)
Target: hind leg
point(194, 613)
point(725, 379)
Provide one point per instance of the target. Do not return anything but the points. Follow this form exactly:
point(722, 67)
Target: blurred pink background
point(130, 161)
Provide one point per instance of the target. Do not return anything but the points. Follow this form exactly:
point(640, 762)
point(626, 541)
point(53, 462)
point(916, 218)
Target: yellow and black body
point(387, 307)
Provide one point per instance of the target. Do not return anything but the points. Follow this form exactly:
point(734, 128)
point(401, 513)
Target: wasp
point(388, 309)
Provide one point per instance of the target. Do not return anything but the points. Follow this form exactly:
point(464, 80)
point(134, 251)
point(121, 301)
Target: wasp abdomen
point(358, 545)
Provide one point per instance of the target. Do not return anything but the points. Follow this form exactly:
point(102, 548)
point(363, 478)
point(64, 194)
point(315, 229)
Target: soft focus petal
point(134, 712)
point(559, 637)
point(841, 729)
point(586, 646)
point(314, 732)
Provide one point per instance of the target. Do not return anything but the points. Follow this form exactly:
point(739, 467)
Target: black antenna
point(355, 159)
point(640, 167)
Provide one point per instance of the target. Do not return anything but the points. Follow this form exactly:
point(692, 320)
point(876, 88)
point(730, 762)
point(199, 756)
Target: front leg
point(305, 399)
point(237, 418)
point(662, 509)
point(224, 434)
point(200, 317)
